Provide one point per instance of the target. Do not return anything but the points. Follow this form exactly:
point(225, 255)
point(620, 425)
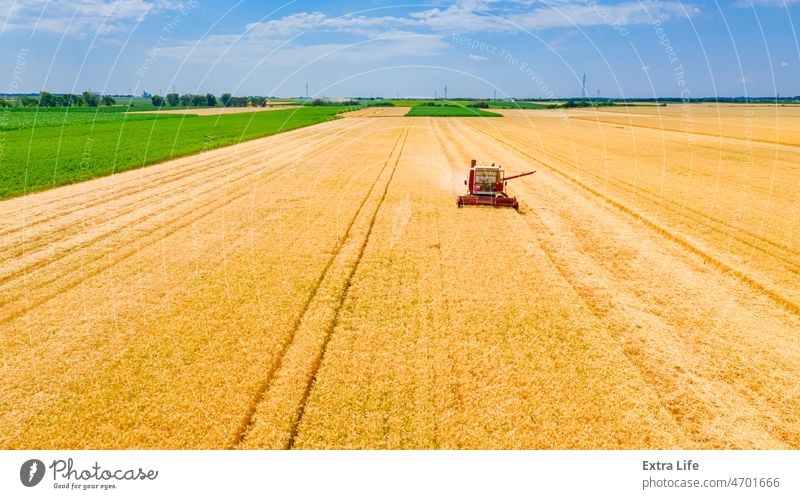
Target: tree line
point(46, 99)
point(209, 100)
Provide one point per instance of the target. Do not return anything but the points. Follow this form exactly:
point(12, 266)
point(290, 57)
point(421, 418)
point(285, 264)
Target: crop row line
point(249, 418)
point(168, 228)
point(144, 180)
point(144, 183)
point(349, 282)
point(706, 220)
point(684, 132)
point(157, 210)
point(776, 297)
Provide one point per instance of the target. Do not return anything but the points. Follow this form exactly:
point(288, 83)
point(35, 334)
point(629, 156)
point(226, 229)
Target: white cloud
point(458, 18)
point(784, 64)
point(418, 33)
point(468, 16)
point(249, 50)
point(79, 18)
point(476, 57)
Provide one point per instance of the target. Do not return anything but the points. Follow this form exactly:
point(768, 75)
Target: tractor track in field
point(679, 407)
point(664, 202)
point(299, 234)
point(779, 252)
point(782, 254)
point(716, 148)
point(776, 297)
point(539, 227)
point(142, 186)
point(80, 264)
point(143, 181)
point(323, 291)
point(329, 333)
point(249, 419)
point(143, 177)
point(446, 305)
point(790, 146)
point(78, 228)
point(167, 229)
point(46, 237)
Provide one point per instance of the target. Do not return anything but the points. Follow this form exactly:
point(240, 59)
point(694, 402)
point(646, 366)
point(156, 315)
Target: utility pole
point(495, 95)
point(583, 87)
point(435, 94)
point(445, 92)
point(306, 90)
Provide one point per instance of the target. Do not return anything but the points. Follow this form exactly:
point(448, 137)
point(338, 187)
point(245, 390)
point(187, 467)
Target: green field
point(466, 103)
point(522, 105)
point(446, 111)
point(21, 118)
point(34, 158)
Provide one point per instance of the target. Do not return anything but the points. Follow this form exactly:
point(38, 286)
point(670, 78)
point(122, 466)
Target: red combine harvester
point(487, 187)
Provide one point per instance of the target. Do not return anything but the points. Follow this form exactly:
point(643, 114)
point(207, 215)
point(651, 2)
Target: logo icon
point(31, 472)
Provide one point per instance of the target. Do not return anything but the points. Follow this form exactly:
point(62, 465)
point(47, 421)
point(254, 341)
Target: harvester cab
point(487, 187)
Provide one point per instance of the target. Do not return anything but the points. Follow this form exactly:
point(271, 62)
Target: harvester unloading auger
point(487, 187)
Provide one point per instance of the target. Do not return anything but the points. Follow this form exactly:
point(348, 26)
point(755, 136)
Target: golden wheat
point(319, 289)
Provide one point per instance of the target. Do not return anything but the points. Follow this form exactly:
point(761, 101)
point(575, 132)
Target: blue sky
point(519, 48)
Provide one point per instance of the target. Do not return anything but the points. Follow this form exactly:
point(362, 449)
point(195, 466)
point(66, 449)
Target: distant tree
point(25, 101)
point(211, 100)
point(74, 100)
point(110, 101)
point(225, 99)
point(186, 100)
point(47, 99)
point(258, 101)
point(157, 100)
point(91, 99)
point(173, 99)
point(198, 100)
point(479, 105)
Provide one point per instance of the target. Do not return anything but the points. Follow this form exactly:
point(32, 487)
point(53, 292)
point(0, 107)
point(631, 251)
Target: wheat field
point(320, 289)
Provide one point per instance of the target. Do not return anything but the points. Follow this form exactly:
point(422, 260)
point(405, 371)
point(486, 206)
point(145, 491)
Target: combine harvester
point(486, 186)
